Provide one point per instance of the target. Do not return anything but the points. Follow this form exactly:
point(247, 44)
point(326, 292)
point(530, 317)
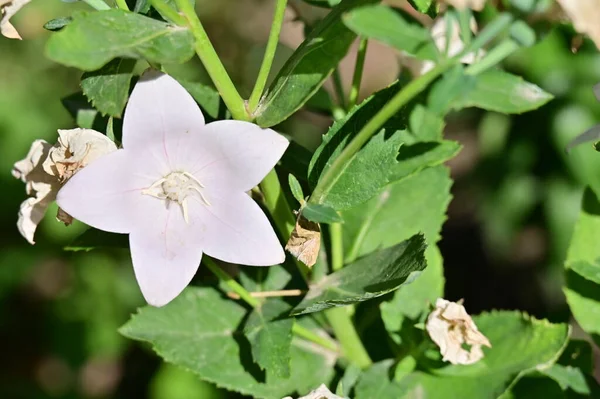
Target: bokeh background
point(516, 197)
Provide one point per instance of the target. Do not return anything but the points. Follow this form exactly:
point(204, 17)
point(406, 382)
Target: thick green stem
point(169, 13)
point(413, 89)
point(267, 62)
point(212, 63)
point(345, 332)
point(98, 5)
point(337, 246)
point(254, 302)
point(358, 72)
point(122, 4)
point(281, 212)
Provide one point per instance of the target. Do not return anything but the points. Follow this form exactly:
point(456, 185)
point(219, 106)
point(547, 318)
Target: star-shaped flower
point(178, 188)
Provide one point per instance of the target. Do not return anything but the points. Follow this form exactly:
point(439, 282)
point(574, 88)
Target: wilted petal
point(242, 154)
point(451, 328)
point(107, 193)
point(75, 149)
point(10, 8)
point(237, 230)
point(305, 241)
point(585, 15)
point(159, 110)
point(166, 252)
point(32, 210)
point(38, 152)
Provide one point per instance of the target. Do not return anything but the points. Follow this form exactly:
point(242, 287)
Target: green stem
point(339, 88)
point(409, 92)
point(212, 63)
point(267, 62)
point(358, 72)
point(98, 5)
point(122, 4)
point(345, 332)
point(281, 212)
point(337, 246)
point(255, 303)
point(499, 53)
point(169, 13)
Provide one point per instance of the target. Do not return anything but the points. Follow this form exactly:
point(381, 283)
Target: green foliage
point(388, 25)
point(271, 337)
point(108, 88)
point(93, 39)
point(199, 331)
point(57, 23)
point(369, 277)
point(309, 66)
point(520, 345)
point(321, 214)
point(94, 238)
point(296, 188)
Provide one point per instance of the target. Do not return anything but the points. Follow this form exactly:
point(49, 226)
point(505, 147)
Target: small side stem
point(496, 55)
point(98, 5)
point(345, 332)
point(166, 11)
point(267, 62)
point(414, 88)
point(339, 88)
point(281, 212)
point(358, 72)
point(212, 63)
point(245, 295)
point(122, 4)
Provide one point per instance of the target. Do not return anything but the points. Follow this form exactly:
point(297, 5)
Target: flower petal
point(242, 154)
point(165, 254)
point(160, 110)
point(106, 194)
point(237, 230)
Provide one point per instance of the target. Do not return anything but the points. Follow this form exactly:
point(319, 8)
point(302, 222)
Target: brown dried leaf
point(305, 241)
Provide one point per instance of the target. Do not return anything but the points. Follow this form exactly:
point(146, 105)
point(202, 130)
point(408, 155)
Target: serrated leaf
point(390, 26)
point(95, 38)
point(520, 344)
point(308, 67)
point(296, 188)
point(321, 214)
point(500, 91)
point(199, 331)
point(369, 277)
point(94, 239)
point(270, 337)
point(582, 289)
point(57, 24)
point(400, 210)
point(108, 87)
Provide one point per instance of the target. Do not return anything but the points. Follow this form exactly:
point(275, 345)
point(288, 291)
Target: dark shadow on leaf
point(590, 203)
point(245, 351)
point(416, 150)
point(582, 286)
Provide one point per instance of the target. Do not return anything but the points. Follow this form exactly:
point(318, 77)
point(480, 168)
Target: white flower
point(8, 8)
point(585, 15)
point(178, 188)
point(450, 49)
point(322, 392)
point(47, 167)
point(450, 327)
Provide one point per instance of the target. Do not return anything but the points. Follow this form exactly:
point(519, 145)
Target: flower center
point(177, 187)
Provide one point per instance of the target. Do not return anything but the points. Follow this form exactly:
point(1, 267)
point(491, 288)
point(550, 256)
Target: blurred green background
point(516, 197)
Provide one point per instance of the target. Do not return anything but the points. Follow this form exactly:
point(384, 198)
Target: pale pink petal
point(106, 194)
point(166, 253)
point(237, 230)
point(233, 154)
point(160, 110)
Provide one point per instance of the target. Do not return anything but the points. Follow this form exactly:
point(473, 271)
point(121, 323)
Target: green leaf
point(348, 380)
point(583, 268)
point(270, 337)
point(400, 210)
point(424, 6)
point(85, 116)
point(207, 97)
point(520, 344)
point(321, 214)
point(95, 38)
point(367, 278)
point(309, 66)
point(296, 188)
point(199, 331)
point(258, 279)
point(94, 239)
point(388, 25)
point(108, 87)
point(500, 91)
point(452, 86)
point(57, 23)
